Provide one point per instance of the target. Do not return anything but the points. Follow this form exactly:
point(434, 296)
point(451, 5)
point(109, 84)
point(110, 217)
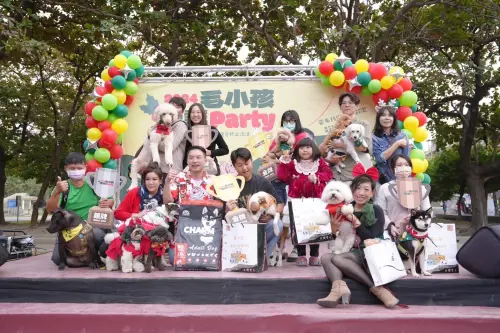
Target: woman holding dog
point(396, 216)
point(197, 115)
point(306, 174)
point(388, 141)
point(370, 221)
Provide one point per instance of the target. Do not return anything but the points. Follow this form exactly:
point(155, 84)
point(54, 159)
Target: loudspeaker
point(480, 254)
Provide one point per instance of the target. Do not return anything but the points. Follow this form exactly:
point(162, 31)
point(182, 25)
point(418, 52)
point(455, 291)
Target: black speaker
point(480, 254)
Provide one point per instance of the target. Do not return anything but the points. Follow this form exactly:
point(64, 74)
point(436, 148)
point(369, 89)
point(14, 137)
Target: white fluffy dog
point(354, 137)
point(338, 196)
point(158, 134)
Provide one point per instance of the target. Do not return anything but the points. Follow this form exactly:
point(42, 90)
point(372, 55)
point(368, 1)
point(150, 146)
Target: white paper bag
point(441, 249)
point(384, 262)
point(309, 221)
point(244, 247)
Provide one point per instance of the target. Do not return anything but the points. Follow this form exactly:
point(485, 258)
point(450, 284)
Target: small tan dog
point(285, 141)
point(158, 134)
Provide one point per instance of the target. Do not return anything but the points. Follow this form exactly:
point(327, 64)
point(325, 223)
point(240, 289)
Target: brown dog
point(75, 239)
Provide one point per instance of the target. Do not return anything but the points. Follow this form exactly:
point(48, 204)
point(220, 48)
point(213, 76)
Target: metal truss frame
point(229, 73)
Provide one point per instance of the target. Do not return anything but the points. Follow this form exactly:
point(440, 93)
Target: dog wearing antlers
point(160, 134)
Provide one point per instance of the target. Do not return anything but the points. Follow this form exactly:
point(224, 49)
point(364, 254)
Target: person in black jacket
point(197, 115)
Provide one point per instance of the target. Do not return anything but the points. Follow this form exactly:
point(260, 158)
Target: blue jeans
point(280, 188)
point(271, 238)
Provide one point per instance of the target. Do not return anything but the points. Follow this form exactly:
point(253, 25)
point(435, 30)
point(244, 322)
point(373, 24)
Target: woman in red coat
point(306, 174)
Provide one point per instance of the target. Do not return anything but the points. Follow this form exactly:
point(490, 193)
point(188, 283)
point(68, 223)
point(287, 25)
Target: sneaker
point(301, 261)
point(292, 257)
point(314, 261)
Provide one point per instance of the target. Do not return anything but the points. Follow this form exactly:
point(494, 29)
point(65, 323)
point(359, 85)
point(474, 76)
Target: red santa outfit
point(296, 175)
point(185, 187)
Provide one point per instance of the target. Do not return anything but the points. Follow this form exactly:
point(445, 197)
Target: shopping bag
point(309, 221)
point(244, 248)
point(441, 249)
point(198, 238)
point(384, 262)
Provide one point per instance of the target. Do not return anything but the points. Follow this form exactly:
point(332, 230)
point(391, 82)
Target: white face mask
point(402, 171)
point(76, 174)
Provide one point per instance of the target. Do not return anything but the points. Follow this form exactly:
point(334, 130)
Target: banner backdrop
point(236, 108)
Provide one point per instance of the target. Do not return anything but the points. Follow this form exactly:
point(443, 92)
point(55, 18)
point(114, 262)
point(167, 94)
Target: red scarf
point(115, 249)
point(162, 129)
point(158, 248)
point(414, 233)
point(334, 208)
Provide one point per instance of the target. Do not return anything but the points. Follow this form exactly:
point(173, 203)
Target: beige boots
point(339, 290)
point(385, 296)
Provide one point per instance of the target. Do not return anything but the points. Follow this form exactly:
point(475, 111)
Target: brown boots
point(339, 290)
point(385, 296)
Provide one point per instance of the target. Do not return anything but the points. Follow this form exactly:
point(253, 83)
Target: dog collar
point(358, 143)
point(162, 129)
point(414, 233)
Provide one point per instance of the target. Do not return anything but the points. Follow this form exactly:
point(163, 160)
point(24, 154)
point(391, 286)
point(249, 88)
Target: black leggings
point(335, 265)
point(313, 250)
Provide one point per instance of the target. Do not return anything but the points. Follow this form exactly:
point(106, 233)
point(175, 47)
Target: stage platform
point(37, 280)
point(262, 318)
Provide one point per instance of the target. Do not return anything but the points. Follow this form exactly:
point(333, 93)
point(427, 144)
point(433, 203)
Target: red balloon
point(395, 91)
point(136, 81)
point(422, 118)
point(109, 135)
point(114, 71)
point(101, 91)
point(88, 108)
point(406, 84)
point(92, 165)
point(129, 100)
point(381, 95)
point(91, 122)
point(325, 68)
point(99, 99)
point(403, 112)
point(377, 71)
point(102, 125)
point(356, 90)
point(116, 151)
point(370, 66)
point(104, 144)
point(350, 72)
point(108, 86)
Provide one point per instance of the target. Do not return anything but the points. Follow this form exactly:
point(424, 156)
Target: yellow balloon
point(387, 82)
point(411, 123)
point(331, 57)
point(337, 78)
point(120, 126)
point(120, 95)
point(361, 66)
point(94, 134)
point(418, 165)
point(397, 69)
point(120, 61)
point(104, 75)
point(420, 134)
point(426, 165)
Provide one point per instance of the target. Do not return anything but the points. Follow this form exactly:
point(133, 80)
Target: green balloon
point(317, 73)
point(374, 86)
point(326, 81)
point(110, 164)
point(86, 145)
point(89, 156)
point(418, 145)
point(99, 113)
point(396, 104)
point(427, 179)
point(365, 91)
point(112, 117)
point(109, 102)
point(119, 82)
point(134, 61)
point(139, 71)
point(130, 88)
point(338, 66)
point(401, 125)
point(408, 133)
point(408, 98)
point(121, 111)
point(102, 155)
point(364, 78)
point(126, 53)
point(131, 75)
point(111, 63)
point(420, 176)
point(119, 139)
point(417, 154)
point(414, 108)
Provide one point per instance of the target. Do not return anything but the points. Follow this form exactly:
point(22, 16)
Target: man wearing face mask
point(76, 195)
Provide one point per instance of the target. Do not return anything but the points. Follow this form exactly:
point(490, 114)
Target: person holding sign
point(306, 174)
point(396, 214)
point(214, 144)
point(76, 195)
